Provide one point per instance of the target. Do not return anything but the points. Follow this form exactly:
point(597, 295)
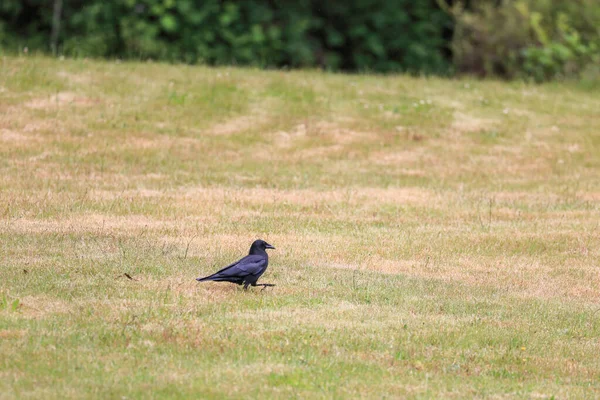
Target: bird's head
point(260, 246)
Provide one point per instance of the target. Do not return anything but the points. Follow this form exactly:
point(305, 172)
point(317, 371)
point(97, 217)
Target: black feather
point(245, 271)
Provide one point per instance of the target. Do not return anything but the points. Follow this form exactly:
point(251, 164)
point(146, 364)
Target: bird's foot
point(265, 285)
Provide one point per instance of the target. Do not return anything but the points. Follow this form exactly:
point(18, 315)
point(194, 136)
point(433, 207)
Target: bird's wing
point(249, 265)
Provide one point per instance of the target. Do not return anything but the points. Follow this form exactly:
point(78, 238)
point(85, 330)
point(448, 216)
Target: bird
point(247, 270)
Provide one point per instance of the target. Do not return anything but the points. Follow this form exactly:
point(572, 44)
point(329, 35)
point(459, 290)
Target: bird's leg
point(246, 286)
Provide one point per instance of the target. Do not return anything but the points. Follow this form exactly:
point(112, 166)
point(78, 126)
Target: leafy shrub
point(378, 35)
point(487, 39)
point(564, 56)
point(533, 39)
point(382, 35)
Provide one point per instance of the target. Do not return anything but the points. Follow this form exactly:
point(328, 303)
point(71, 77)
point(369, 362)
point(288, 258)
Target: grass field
point(435, 238)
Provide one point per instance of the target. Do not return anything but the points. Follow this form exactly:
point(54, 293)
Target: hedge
point(356, 35)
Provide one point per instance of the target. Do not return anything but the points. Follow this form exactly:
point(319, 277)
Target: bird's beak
point(268, 246)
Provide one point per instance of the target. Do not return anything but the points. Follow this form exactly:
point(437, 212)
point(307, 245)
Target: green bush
point(563, 54)
point(21, 24)
point(532, 39)
point(487, 39)
point(378, 35)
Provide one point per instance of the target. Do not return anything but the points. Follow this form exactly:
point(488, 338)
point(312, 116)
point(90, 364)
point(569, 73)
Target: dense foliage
point(532, 39)
point(378, 35)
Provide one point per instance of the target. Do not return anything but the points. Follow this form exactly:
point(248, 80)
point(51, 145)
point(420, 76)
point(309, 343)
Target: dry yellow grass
point(435, 238)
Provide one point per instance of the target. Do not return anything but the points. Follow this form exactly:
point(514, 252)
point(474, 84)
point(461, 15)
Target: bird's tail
point(220, 278)
point(214, 277)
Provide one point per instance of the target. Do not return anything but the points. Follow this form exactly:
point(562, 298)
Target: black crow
point(247, 270)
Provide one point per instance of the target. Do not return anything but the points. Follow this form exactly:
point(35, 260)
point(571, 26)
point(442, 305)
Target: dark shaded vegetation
point(377, 35)
point(536, 40)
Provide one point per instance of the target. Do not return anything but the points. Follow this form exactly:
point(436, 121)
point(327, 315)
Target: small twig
point(490, 213)
point(115, 200)
point(126, 275)
point(164, 249)
point(188, 247)
point(490, 206)
point(330, 209)
point(81, 199)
